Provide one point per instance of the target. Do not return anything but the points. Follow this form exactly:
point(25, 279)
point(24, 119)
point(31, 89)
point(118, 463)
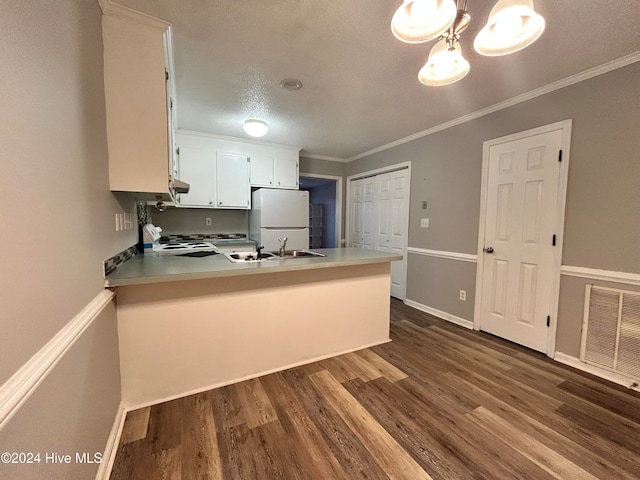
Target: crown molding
point(323, 157)
point(228, 138)
point(565, 82)
point(109, 7)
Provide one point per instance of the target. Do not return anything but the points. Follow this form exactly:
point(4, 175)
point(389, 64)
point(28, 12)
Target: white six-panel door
point(518, 257)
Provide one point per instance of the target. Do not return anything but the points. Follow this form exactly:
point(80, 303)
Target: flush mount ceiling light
point(255, 127)
point(291, 84)
point(512, 25)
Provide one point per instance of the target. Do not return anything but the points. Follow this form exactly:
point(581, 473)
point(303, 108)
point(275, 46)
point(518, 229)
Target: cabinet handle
point(219, 203)
point(210, 203)
point(270, 182)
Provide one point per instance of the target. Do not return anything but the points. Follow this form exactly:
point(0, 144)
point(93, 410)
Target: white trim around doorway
point(565, 126)
point(339, 240)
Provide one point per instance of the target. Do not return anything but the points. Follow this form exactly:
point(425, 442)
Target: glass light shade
point(512, 26)
point(255, 127)
point(418, 21)
point(444, 66)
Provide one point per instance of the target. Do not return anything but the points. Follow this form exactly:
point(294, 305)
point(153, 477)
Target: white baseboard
point(440, 314)
point(17, 390)
point(109, 454)
point(156, 401)
point(574, 362)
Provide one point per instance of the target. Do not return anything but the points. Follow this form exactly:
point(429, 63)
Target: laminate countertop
point(150, 268)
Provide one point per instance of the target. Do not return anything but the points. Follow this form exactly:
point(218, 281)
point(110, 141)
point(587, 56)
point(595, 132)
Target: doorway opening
point(325, 209)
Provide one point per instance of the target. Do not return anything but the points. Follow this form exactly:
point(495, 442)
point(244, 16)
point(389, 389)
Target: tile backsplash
point(114, 262)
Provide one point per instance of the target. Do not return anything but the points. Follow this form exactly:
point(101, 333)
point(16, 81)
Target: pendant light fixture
point(512, 26)
point(255, 127)
point(418, 21)
point(445, 65)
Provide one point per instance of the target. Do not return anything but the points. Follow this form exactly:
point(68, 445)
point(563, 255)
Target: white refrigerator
point(277, 214)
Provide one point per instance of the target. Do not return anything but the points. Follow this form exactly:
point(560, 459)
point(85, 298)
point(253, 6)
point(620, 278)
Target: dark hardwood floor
point(439, 401)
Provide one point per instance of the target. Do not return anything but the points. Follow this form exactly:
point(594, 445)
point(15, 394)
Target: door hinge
point(560, 156)
point(166, 75)
point(178, 150)
point(548, 320)
point(553, 241)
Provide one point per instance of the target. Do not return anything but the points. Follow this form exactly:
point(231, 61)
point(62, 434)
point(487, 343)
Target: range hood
point(180, 186)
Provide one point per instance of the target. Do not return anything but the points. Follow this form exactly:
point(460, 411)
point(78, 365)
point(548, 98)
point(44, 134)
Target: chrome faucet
point(283, 244)
point(259, 250)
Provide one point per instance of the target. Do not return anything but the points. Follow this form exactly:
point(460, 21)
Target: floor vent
point(611, 330)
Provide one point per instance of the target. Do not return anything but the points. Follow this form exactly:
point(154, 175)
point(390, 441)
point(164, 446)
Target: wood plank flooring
point(438, 402)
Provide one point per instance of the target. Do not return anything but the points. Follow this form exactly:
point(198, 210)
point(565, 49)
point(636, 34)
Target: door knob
point(487, 249)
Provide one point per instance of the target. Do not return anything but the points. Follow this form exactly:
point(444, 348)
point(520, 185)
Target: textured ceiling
point(360, 84)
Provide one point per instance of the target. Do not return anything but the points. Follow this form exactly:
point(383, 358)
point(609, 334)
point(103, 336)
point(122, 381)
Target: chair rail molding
point(17, 390)
point(603, 275)
point(465, 257)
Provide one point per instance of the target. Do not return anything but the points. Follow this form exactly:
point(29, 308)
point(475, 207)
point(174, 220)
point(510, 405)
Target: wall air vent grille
point(611, 330)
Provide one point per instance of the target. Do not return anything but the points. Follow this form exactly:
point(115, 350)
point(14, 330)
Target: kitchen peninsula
point(190, 324)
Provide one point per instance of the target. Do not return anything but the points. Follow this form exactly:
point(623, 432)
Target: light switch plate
point(424, 223)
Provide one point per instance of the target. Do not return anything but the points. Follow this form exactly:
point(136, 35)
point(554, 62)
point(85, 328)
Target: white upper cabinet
point(287, 172)
point(262, 170)
point(274, 167)
point(198, 166)
point(218, 178)
point(232, 180)
point(138, 74)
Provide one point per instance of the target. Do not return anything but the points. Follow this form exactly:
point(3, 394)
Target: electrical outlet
point(424, 223)
point(463, 295)
point(119, 222)
point(207, 221)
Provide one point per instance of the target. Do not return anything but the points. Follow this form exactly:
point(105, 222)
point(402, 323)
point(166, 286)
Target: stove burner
point(179, 247)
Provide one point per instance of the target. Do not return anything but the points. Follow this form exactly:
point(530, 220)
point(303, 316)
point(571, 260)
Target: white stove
point(181, 247)
point(151, 240)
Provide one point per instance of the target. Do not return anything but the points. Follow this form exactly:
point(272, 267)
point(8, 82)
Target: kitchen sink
point(242, 257)
point(296, 254)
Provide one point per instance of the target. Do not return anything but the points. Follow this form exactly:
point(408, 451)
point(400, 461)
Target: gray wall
point(322, 167)
point(57, 222)
point(602, 228)
point(325, 195)
point(193, 220)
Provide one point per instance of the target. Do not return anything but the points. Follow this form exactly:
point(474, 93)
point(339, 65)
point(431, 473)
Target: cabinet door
point(136, 104)
point(262, 170)
point(232, 181)
point(197, 168)
point(287, 172)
